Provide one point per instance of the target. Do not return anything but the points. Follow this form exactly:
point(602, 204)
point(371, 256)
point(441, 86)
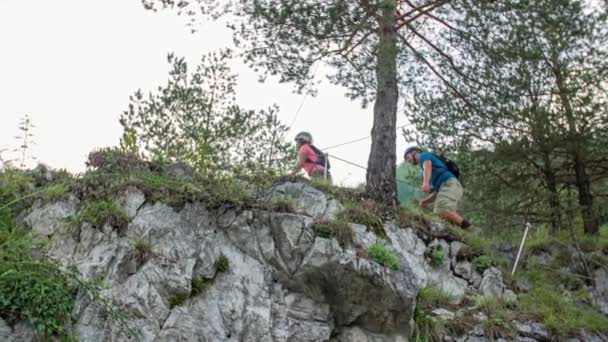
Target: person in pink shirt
point(310, 158)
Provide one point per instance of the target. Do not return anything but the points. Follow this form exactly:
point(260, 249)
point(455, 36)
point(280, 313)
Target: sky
point(72, 64)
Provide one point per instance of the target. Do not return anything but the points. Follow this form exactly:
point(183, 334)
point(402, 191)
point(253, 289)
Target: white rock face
point(283, 282)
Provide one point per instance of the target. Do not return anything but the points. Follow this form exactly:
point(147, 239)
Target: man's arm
point(426, 180)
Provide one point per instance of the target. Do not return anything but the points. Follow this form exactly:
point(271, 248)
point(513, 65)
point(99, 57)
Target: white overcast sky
point(72, 64)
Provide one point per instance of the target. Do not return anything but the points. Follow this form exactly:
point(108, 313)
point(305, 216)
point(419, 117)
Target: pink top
point(310, 158)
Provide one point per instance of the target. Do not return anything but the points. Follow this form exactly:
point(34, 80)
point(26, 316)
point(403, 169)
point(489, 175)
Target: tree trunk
point(583, 183)
point(381, 183)
point(585, 198)
point(554, 203)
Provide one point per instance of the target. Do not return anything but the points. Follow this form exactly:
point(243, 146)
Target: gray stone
point(132, 200)
point(599, 293)
point(509, 296)
point(443, 314)
point(532, 330)
point(51, 217)
point(464, 269)
point(491, 284)
point(6, 333)
point(307, 200)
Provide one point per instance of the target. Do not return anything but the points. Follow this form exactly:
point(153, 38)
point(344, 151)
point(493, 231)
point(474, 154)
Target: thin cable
point(353, 141)
point(362, 167)
point(346, 161)
point(304, 98)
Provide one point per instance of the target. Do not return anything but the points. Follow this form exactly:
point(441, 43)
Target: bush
point(113, 159)
point(335, 229)
point(199, 285)
point(222, 264)
point(482, 263)
point(101, 212)
point(384, 256)
point(435, 255)
point(360, 215)
point(42, 293)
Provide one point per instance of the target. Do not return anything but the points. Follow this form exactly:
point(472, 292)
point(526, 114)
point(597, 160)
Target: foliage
point(199, 285)
point(338, 229)
point(177, 299)
point(282, 204)
point(482, 263)
point(222, 264)
point(103, 212)
point(25, 140)
point(384, 256)
point(426, 327)
point(143, 251)
point(371, 46)
point(112, 159)
point(40, 291)
point(194, 119)
point(560, 314)
point(499, 317)
point(533, 122)
point(361, 215)
point(435, 255)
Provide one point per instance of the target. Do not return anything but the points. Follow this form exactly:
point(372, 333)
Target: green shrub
point(41, 292)
point(199, 285)
point(114, 159)
point(222, 264)
point(384, 256)
point(335, 229)
point(360, 215)
point(482, 263)
point(435, 255)
point(101, 212)
point(177, 299)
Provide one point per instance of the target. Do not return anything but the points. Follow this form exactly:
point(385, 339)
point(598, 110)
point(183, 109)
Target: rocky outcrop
point(283, 282)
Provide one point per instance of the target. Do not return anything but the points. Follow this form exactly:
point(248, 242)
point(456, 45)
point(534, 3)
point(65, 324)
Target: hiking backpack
point(450, 165)
point(320, 157)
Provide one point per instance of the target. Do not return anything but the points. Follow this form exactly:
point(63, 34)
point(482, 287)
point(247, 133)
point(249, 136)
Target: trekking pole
point(521, 247)
point(325, 168)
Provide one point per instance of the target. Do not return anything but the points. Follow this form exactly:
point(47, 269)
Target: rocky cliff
point(230, 273)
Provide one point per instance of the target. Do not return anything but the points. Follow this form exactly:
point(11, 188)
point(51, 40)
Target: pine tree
point(370, 45)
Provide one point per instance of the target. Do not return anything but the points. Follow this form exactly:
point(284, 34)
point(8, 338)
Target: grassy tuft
point(427, 327)
point(384, 256)
point(435, 255)
point(340, 230)
point(361, 215)
point(100, 212)
point(560, 314)
point(222, 264)
point(199, 285)
point(482, 263)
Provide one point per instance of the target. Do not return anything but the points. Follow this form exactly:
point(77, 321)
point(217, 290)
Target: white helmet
point(304, 137)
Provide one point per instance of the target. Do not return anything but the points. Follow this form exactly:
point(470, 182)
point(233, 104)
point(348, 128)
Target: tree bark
point(381, 183)
point(554, 202)
point(583, 182)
